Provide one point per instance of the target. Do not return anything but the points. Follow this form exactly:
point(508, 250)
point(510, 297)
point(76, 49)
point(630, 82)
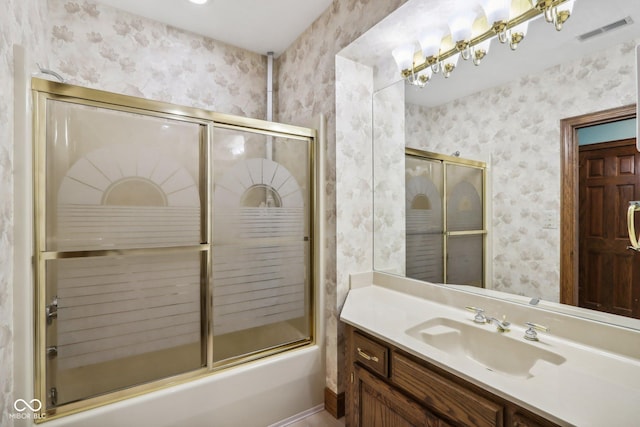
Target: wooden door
point(609, 273)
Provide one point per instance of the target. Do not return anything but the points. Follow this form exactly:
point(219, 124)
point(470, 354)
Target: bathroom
point(305, 86)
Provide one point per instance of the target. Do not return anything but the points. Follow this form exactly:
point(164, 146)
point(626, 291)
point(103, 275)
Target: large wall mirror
point(507, 113)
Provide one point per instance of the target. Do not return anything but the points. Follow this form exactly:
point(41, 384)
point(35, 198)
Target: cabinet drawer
point(443, 395)
point(371, 354)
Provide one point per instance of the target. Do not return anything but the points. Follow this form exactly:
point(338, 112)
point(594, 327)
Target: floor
point(319, 419)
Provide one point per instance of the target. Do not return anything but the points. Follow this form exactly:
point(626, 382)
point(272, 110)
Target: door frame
point(569, 174)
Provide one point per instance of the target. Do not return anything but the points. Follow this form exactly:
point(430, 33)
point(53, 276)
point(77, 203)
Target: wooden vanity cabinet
point(387, 387)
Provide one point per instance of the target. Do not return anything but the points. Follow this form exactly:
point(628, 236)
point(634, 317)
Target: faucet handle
point(479, 317)
point(531, 334)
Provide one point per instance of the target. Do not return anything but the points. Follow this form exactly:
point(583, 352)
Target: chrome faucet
point(479, 317)
point(501, 325)
point(531, 334)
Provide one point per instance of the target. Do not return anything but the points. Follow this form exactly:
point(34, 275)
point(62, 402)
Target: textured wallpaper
point(519, 136)
point(389, 241)
point(354, 186)
point(306, 88)
point(101, 47)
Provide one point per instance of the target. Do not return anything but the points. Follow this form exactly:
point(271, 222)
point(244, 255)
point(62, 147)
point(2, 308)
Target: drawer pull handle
point(366, 356)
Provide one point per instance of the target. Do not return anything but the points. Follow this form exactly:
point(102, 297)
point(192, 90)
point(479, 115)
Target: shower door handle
point(633, 238)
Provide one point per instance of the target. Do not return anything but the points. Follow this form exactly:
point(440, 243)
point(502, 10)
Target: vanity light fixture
point(470, 36)
point(198, 1)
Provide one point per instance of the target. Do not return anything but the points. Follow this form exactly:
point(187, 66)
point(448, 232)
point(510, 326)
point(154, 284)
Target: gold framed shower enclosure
point(170, 235)
point(449, 228)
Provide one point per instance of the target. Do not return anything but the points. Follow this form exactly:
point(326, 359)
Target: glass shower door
point(445, 232)
point(121, 256)
point(170, 242)
point(261, 242)
point(465, 225)
point(424, 219)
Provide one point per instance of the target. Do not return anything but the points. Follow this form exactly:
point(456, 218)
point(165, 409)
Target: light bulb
point(422, 78)
point(453, 59)
point(449, 65)
point(517, 33)
point(566, 6)
point(480, 51)
point(521, 28)
point(403, 56)
point(425, 74)
point(562, 13)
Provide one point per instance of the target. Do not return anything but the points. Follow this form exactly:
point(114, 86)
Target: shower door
point(445, 237)
point(170, 242)
point(122, 248)
point(464, 224)
point(424, 180)
point(261, 242)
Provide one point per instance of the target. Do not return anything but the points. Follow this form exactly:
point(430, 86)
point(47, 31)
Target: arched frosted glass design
point(261, 244)
point(445, 233)
point(120, 180)
point(424, 220)
point(122, 191)
point(169, 242)
point(465, 208)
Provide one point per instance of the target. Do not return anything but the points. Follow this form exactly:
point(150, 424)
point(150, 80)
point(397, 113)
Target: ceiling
point(272, 26)
point(542, 48)
point(259, 26)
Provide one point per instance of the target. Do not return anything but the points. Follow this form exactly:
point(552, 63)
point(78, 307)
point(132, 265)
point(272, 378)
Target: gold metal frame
point(525, 10)
point(457, 161)
point(44, 90)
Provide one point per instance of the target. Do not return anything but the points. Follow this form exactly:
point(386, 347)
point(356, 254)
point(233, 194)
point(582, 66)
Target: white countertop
point(593, 387)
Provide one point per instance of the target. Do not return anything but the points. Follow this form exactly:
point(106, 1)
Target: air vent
point(606, 28)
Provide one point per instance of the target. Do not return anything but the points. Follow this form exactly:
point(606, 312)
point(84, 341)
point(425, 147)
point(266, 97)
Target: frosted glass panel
point(261, 246)
point(424, 221)
point(464, 198)
point(123, 321)
point(465, 260)
point(120, 180)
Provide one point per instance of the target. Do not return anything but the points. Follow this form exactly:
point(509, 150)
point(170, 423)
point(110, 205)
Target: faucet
point(531, 334)
point(501, 325)
point(479, 317)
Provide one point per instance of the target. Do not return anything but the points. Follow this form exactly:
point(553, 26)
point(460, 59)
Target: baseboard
point(334, 403)
point(298, 417)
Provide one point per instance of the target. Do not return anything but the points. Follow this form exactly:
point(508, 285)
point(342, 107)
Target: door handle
point(633, 207)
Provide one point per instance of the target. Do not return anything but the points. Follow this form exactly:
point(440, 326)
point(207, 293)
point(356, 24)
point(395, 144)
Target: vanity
point(416, 357)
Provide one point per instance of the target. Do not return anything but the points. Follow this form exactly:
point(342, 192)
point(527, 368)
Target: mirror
point(506, 113)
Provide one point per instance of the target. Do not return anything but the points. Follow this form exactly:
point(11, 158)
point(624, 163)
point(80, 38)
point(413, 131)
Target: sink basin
point(506, 353)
